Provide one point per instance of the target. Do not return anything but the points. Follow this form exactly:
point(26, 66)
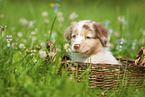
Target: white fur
point(102, 57)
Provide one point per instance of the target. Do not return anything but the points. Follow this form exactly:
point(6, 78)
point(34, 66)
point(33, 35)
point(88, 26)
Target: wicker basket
point(107, 76)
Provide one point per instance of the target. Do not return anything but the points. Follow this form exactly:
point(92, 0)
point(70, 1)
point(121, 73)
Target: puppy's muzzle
point(76, 46)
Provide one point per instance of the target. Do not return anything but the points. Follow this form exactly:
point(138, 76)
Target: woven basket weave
point(107, 76)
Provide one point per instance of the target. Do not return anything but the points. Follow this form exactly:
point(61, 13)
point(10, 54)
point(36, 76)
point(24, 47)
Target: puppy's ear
point(102, 33)
point(68, 31)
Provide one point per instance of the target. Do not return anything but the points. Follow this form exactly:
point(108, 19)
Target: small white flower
point(102, 93)
point(42, 44)
point(42, 53)
point(111, 30)
point(34, 60)
point(24, 41)
point(33, 51)
point(51, 54)
point(8, 45)
point(46, 21)
point(1, 16)
point(73, 16)
point(23, 22)
point(67, 47)
point(58, 49)
point(33, 32)
point(19, 34)
point(21, 46)
point(13, 45)
point(121, 18)
point(34, 38)
point(20, 52)
point(16, 70)
point(61, 19)
point(71, 78)
point(117, 34)
point(31, 24)
point(36, 30)
point(59, 14)
point(45, 14)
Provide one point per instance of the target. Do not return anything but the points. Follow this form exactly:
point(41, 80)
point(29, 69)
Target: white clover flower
point(8, 45)
point(42, 54)
point(71, 78)
point(59, 14)
point(45, 14)
point(24, 41)
point(61, 19)
point(102, 93)
point(34, 60)
point(67, 47)
point(46, 21)
point(20, 52)
point(111, 30)
point(58, 49)
point(31, 24)
point(16, 70)
point(42, 44)
point(34, 38)
point(73, 16)
point(19, 34)
point(36, 30)
point(13, 45)
point(33, 32)
point(51, 54)
point(121, 18)
point(21, 46)
point(1, 16)
point(23, 22)
point(117, 34)
point(33, 51)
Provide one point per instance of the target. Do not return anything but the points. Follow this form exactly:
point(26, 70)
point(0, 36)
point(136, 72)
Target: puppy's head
point(87, 37)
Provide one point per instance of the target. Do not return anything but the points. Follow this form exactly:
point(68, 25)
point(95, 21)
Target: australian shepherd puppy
point(89, 41)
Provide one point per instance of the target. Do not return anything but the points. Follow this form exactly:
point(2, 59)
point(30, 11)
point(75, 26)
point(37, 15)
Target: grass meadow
point(27, 25)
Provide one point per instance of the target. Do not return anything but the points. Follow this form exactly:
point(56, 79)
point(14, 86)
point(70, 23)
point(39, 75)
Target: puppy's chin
point(83, 54)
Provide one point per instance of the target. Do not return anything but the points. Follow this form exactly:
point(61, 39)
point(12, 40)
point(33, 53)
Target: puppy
point(89, 41)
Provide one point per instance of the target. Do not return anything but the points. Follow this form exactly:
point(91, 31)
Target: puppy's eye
point(87, 37)
point(74, 36)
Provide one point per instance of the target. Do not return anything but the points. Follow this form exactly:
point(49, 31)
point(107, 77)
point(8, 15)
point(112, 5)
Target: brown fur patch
point(86, 26)
point(87, 29)
point(67, 33)
point(101, 32)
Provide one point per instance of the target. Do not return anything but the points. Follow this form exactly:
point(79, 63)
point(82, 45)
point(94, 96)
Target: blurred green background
point(27, 74)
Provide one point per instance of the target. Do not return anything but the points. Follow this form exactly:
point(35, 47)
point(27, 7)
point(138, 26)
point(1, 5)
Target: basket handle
point(138, 60)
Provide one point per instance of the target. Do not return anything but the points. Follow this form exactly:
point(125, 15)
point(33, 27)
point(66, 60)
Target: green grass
point(22, 75)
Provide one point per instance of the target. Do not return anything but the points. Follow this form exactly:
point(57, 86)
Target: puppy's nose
point(76, 46)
